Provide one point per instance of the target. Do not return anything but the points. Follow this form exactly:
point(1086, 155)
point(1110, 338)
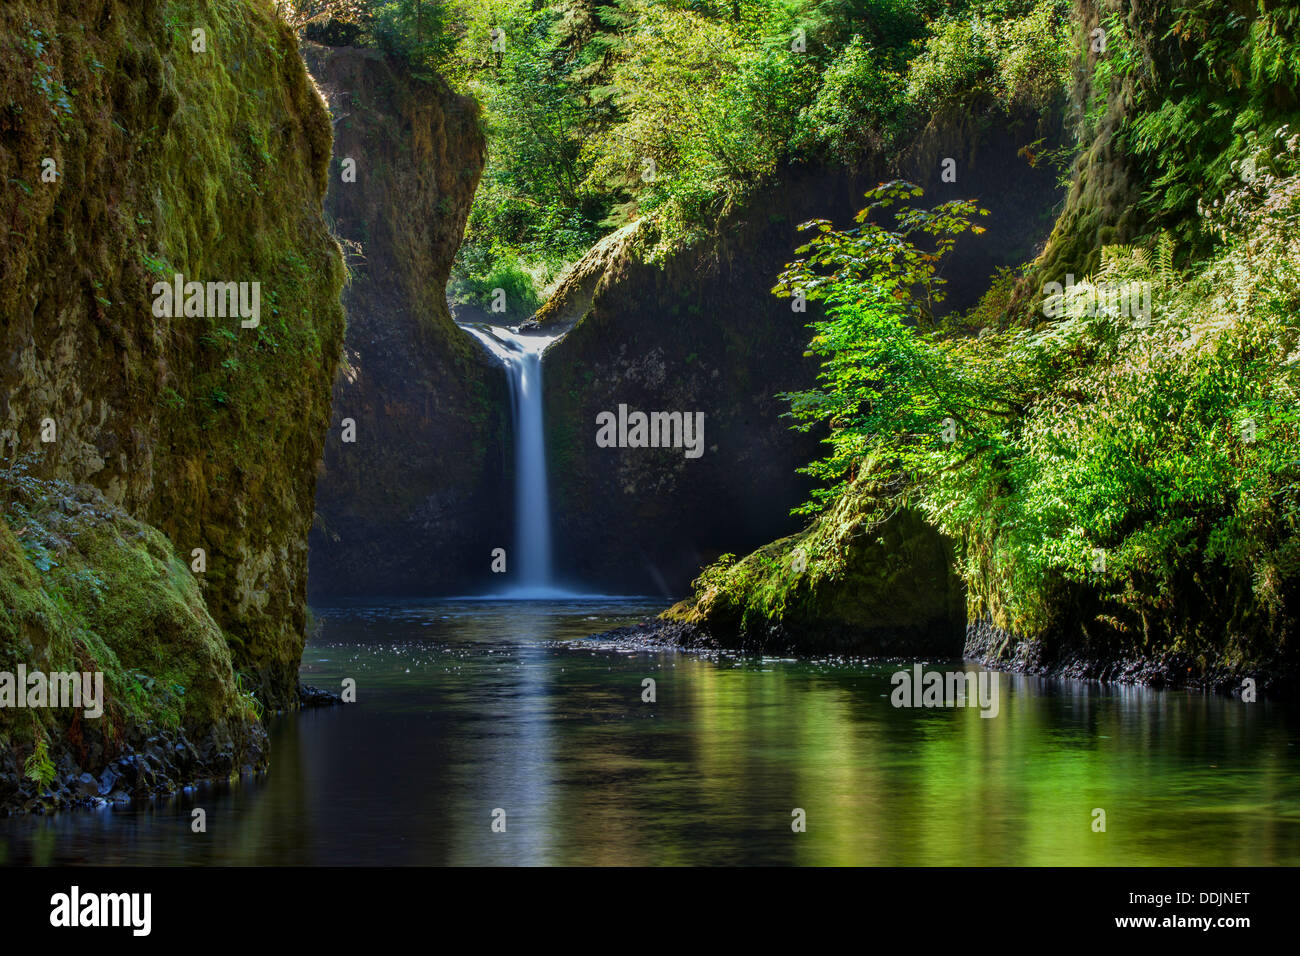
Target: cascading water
point(522, 356)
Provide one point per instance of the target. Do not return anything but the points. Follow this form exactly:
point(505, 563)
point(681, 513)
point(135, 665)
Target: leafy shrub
point(503, 270)
point(1150, 459)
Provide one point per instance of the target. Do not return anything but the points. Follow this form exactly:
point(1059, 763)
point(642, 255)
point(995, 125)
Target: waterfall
point(531, 557)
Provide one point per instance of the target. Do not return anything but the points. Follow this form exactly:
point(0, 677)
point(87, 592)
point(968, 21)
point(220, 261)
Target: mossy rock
point(852, 583)
point(84, 587)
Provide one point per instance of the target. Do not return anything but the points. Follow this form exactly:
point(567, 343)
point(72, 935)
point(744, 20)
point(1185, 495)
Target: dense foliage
point(1143, 438)
point(602, 111)
point(1227, 76)
point(1117, 458)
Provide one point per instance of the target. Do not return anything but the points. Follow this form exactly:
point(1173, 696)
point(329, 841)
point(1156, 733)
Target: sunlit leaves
point(890, 380)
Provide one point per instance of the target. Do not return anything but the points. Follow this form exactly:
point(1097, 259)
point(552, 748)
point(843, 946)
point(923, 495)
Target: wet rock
point(309, 696)
point(657, 634)
point(107, 780)
point(1059, 656)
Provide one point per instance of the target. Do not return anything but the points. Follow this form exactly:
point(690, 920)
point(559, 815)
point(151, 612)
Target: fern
point(1165, 259)
point(39, 766)
point(248, 702)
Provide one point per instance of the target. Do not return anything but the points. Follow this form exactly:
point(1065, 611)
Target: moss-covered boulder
point(86, 589)
point(853, 583)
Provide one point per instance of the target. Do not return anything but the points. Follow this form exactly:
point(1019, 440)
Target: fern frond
point(1165, 258)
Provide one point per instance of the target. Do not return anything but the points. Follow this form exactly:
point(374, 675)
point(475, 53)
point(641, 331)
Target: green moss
point(84, 587)
point(852, 581)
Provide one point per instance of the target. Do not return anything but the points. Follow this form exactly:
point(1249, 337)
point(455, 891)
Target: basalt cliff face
point(701, 332)
point(412, 505)
point(158, 458)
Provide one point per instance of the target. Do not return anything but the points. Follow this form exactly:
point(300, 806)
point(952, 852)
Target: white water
point(529, 565)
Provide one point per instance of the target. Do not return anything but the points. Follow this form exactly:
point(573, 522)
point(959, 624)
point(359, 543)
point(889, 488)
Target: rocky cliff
point(159, 450)
point(413, 505)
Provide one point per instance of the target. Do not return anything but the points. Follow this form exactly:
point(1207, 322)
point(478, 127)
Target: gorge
point(808, 400)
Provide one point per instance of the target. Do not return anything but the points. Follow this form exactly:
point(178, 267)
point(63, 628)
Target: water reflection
point(464, 707)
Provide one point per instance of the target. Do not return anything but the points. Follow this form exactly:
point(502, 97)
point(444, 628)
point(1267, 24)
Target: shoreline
point(151, 764)
point(986, 646)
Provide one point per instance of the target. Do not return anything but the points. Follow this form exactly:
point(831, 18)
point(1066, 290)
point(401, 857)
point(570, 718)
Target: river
point(466, 707)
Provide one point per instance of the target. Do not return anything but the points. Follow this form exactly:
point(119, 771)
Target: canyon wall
point(416, 503)
point(159, 463)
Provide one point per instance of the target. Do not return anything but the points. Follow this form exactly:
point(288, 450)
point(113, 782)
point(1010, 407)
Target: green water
point(464, 708)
